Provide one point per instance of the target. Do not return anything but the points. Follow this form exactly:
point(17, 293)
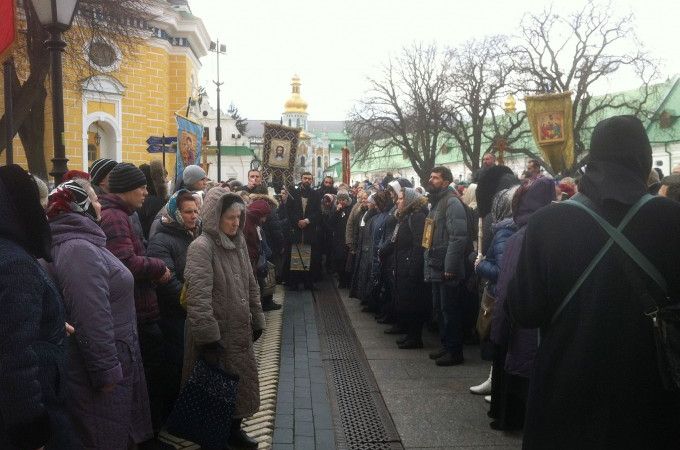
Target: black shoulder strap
point(615, 235)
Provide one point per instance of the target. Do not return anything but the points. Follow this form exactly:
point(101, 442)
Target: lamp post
point(218, 49)
point(56, 17)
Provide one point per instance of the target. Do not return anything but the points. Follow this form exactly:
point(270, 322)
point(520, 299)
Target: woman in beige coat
point(224, 315)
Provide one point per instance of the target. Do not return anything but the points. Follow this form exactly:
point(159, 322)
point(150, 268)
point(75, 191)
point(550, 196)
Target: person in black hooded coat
point(32, 333)
point(595, 380)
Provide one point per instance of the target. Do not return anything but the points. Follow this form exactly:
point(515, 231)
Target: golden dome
point(295, 104)
point(510, 105)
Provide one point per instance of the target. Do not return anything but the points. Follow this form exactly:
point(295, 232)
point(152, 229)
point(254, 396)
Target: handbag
point(485, 312)
point(205, 406)
point(664, 316)
point(269, 280)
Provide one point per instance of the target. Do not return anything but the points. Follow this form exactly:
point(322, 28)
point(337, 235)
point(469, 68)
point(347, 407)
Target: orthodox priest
point(304, 212)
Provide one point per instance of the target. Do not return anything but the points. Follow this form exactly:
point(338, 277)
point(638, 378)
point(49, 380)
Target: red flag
point(8, 30)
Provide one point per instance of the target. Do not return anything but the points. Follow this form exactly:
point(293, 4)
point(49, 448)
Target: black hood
point(619, 162)
point(23, 218)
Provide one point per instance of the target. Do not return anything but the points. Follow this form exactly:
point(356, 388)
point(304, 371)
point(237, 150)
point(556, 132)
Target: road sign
point(158, 148)
point(158, 140)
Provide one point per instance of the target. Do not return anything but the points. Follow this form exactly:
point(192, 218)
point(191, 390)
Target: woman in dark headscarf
point(32, 331)
point(411, 296)
point(178, 227)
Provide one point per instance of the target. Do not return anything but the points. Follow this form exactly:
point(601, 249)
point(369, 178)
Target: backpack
point(664, 315)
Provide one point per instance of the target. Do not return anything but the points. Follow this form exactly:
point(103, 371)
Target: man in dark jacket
point(304, 211)
point(128, 189)
point(595, 381)
point(445, 238)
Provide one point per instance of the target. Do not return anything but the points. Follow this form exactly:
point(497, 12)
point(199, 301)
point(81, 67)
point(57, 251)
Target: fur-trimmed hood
point(420, 203)
point(273, 203)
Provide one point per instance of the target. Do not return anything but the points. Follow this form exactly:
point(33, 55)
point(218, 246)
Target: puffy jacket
point(122, 241)
point(170, 244)
point(449, 239)
point(490, 267)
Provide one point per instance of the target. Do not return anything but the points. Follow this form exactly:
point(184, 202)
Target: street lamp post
point(217, 48)
point(56, 17)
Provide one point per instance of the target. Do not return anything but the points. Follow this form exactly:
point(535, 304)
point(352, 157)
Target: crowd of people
point(111, 288)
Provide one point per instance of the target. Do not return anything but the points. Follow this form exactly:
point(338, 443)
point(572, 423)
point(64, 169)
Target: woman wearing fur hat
point(404, 248)
point(108, 401)
point(178, 227)
point(224, 315)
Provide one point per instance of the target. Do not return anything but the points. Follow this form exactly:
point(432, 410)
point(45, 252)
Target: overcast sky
point(335, 44)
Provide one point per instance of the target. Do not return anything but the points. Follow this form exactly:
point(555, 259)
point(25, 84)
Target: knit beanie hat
point(125, 177)
point(192, 174)
point(100, 168)
point(410, 196)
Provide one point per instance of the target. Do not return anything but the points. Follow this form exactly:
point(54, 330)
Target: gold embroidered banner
point(551, 124)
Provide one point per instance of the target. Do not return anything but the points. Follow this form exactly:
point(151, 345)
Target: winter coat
point(149, 211)
point(338, 225)
point(449, 239)
point(273, 228)
point(406, 254)
point(490, 266)
point(98, 293)
point(253, 232)
point(595, 381)
point(223, 302)
point(378, 227)
point(32, 339)
point(128, 247)
point(312, 212)
point(170, 244)
point(362, 266)
point(352, 230)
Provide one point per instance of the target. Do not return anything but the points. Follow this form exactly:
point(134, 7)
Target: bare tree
point(483, 72)
point(405, 108)
point(122, 22)
point(578, 53)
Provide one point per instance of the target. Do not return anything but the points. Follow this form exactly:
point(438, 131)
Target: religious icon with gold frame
point(550, 126)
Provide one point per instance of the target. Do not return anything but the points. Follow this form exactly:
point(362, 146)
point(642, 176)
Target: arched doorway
point(101, 141)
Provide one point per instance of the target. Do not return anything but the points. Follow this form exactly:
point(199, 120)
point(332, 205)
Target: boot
point(449, 360)
point(396, 329)
point(238, 438)
point(483, 388)
point(438, 353)
point(410, 344)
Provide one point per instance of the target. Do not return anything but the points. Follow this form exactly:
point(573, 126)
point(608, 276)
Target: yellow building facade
point(112, 113)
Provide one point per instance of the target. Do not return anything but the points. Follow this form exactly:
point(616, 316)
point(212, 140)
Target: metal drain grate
point(362, 420)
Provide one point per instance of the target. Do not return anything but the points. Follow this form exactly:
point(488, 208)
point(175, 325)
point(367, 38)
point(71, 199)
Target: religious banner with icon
point(279, 153)
point(550, 119)
point(189, 140)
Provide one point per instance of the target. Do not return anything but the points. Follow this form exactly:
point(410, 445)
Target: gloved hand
point(257, 334)
point(212, 353)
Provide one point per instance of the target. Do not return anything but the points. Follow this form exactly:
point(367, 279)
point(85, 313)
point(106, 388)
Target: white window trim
point(102, 88)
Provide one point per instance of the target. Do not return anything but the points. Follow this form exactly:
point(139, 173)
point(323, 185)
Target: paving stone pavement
point(431, 406)
point(303, 411)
